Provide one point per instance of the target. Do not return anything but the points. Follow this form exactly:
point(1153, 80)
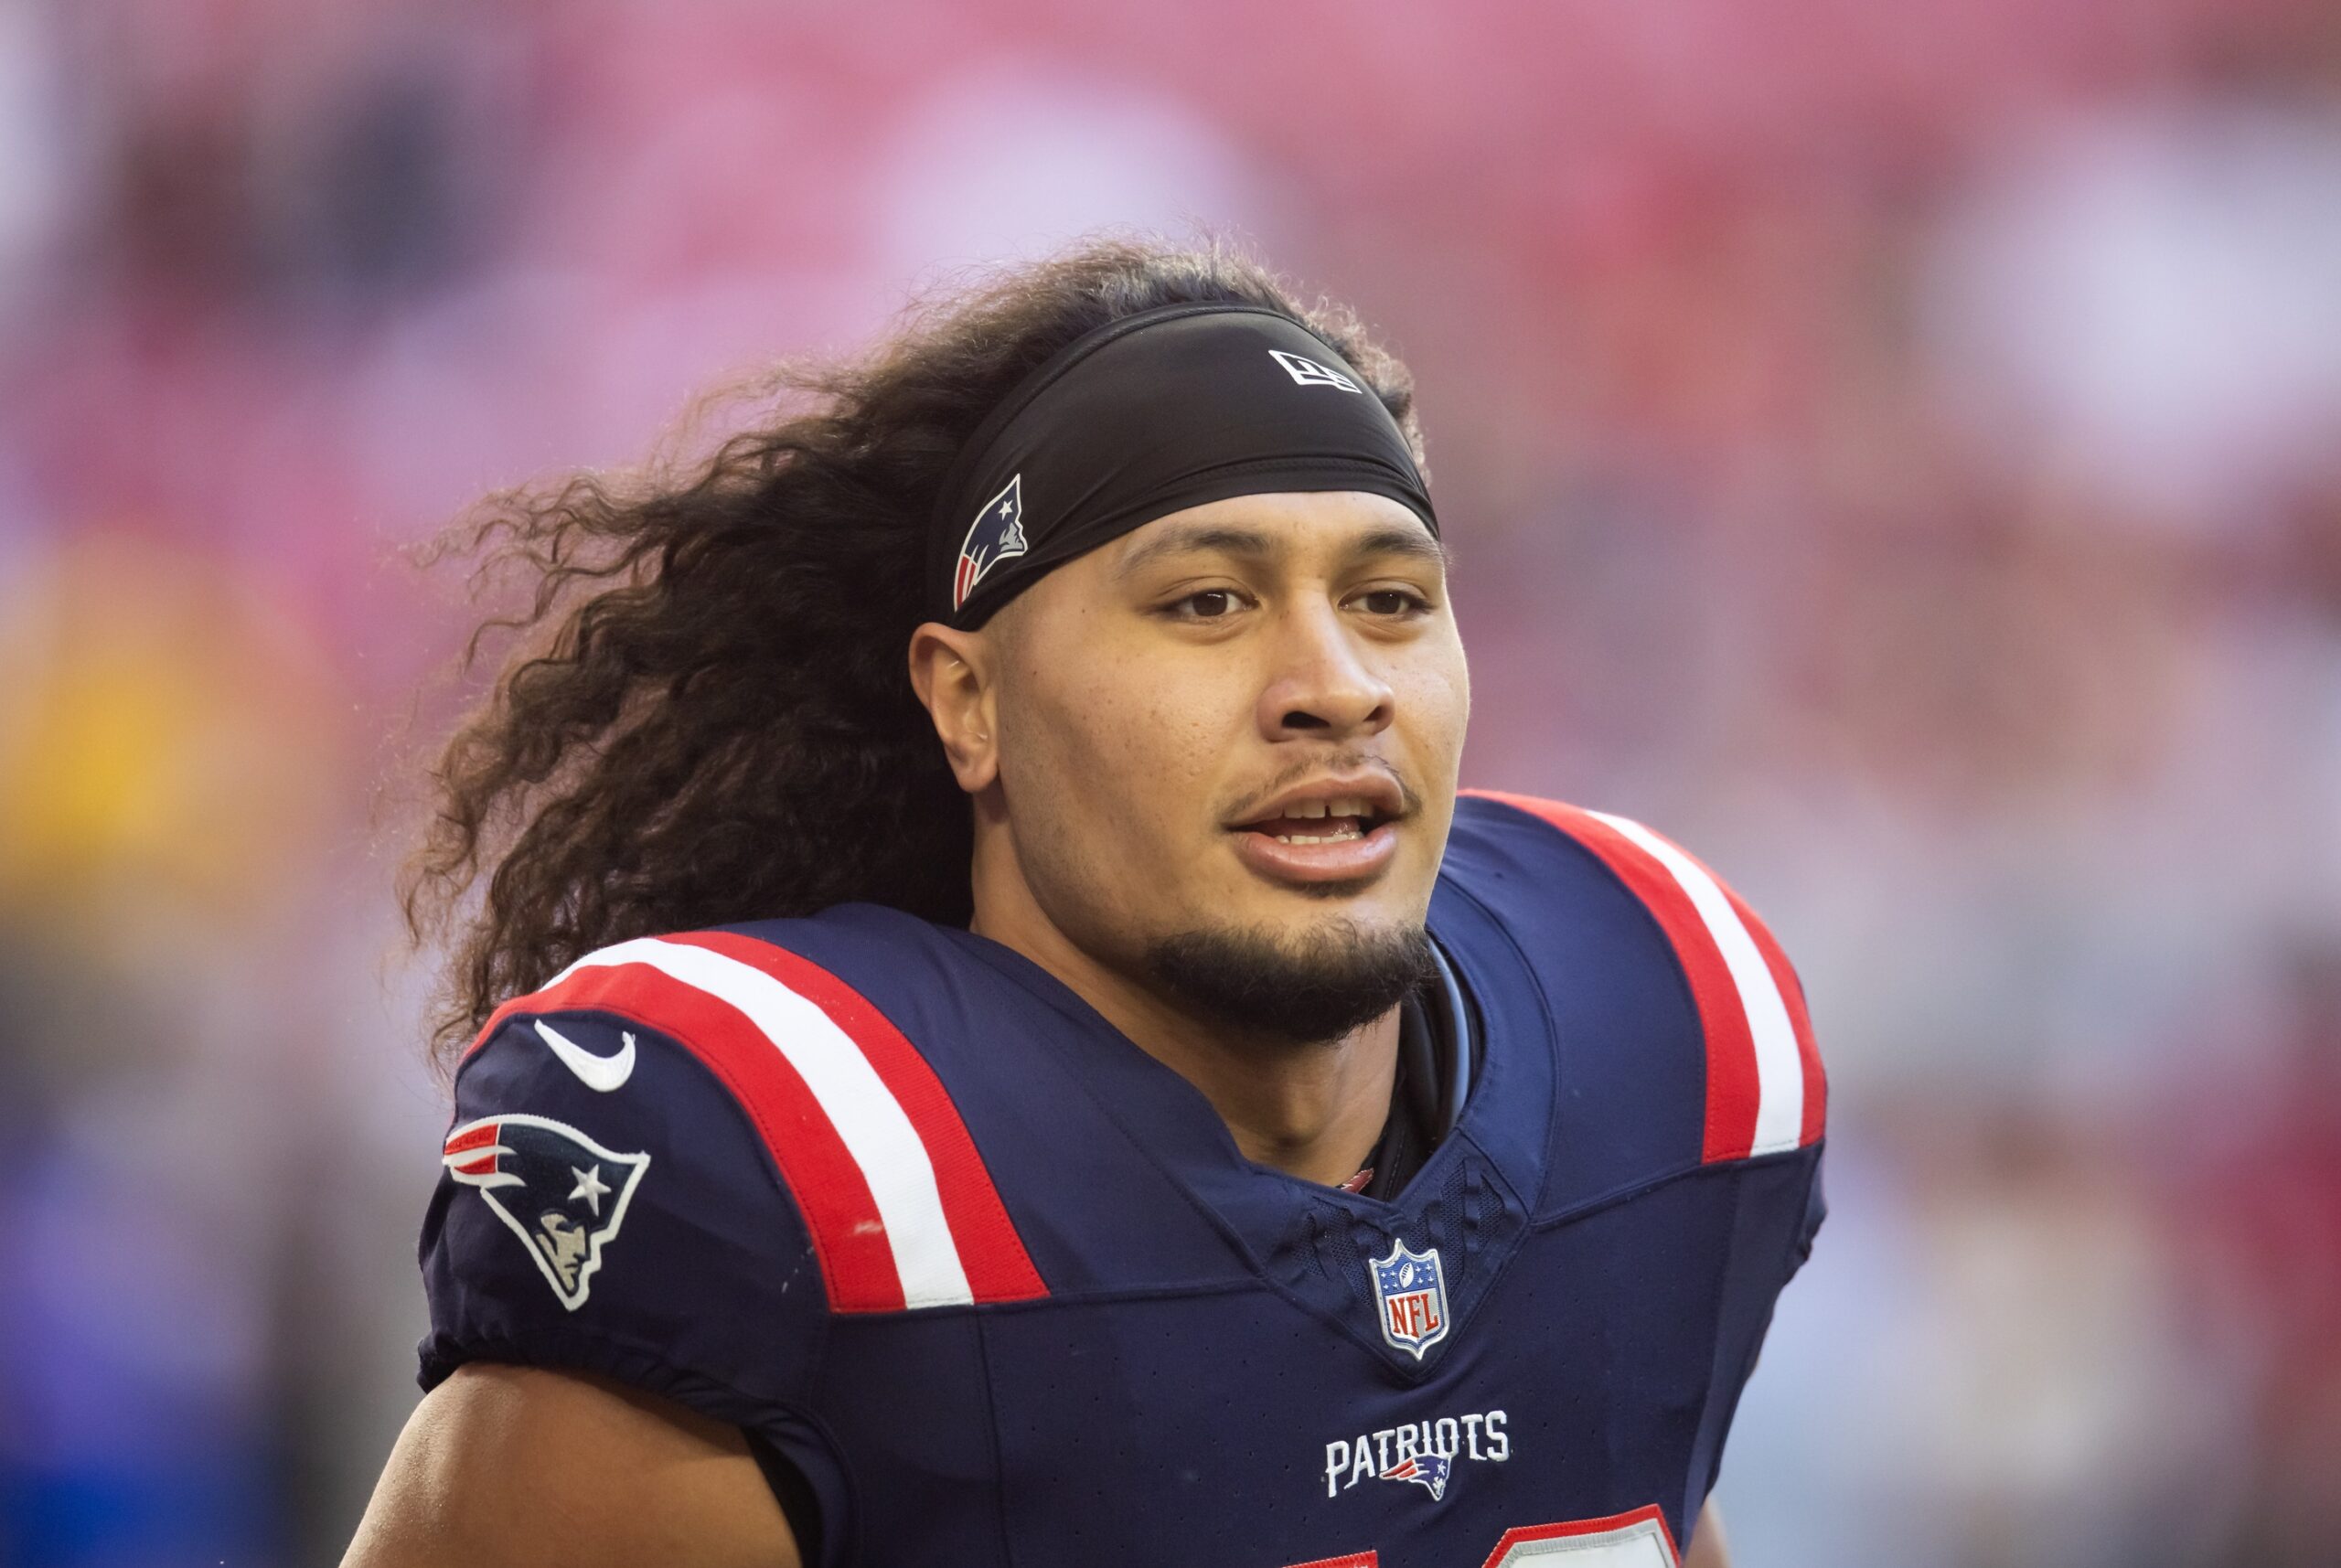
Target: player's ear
point(951, 670)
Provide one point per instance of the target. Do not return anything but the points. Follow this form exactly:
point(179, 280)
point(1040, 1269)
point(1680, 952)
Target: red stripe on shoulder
point(857, 1263)
point(1791, 989)
point(1733, 1092)
point(991, 1252)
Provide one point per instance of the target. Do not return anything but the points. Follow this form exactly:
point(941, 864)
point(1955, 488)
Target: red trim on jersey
point(990, 1253)
point(848, 1237)
point(1733, 1094)
point(1513, 1537)
point(1791, 989)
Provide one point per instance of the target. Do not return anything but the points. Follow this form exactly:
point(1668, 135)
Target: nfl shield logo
point(1411, 1291)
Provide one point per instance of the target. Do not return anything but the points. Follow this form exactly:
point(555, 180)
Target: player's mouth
point(1334, 830)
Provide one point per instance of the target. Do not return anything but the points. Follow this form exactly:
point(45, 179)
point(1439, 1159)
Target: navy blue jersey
point(1001, 1289)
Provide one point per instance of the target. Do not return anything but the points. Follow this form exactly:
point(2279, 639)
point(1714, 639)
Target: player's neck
point(1314, 1111)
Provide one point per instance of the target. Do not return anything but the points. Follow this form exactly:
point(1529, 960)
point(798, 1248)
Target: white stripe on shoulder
point(1780, 1073)
point(869, 1120)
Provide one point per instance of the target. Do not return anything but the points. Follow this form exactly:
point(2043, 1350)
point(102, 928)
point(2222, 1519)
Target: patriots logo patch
point(996, 535)
point(558, 1190)
point(1426, 1470)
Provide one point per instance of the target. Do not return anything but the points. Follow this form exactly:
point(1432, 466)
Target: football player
point(993, 1039)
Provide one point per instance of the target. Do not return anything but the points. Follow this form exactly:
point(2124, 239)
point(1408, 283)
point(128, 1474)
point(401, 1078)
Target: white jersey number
point(1636, 1540)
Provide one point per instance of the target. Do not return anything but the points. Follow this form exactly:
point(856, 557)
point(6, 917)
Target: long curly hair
point(707, 714)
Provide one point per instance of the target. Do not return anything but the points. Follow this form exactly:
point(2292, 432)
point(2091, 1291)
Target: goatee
point(1318, 987)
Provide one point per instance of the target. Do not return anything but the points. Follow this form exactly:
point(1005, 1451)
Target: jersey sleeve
point(608, 1203)
point(684, 1162)
point(602, 1203)
point(1763, 1090)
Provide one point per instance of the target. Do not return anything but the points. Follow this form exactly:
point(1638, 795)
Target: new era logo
point(1309, 373)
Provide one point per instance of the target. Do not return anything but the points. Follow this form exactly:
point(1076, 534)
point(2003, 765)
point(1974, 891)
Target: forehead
point(1279, 528)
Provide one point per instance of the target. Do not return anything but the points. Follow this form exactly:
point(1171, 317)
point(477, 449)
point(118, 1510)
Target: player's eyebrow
point(1217, 539)
point(1413, 543)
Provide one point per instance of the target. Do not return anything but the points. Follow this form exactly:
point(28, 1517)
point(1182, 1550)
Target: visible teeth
point(1341, 805)
point(1345, 836)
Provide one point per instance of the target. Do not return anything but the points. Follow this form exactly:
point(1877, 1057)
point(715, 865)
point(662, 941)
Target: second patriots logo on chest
point(1410, 1297)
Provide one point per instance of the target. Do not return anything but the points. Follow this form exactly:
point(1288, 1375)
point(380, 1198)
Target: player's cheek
point(1178, 738)
point(1433, 709)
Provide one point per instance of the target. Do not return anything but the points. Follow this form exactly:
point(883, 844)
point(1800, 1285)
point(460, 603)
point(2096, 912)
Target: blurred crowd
point(1894, 449)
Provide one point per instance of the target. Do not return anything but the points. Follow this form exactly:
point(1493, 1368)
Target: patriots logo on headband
point(996, 535)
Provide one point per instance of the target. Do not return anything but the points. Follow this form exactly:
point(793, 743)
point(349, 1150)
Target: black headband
point(1146, 416)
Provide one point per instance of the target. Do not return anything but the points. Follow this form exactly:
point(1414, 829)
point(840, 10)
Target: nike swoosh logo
point(599, 1072)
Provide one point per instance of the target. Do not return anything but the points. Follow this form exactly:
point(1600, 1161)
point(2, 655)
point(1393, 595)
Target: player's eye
point(1394, 602)
point(1207, 604)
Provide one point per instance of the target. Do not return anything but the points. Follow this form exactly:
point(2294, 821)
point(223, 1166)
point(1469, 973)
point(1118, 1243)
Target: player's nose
point(1321, 685)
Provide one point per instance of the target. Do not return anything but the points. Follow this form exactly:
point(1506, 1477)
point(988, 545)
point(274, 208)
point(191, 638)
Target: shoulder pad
point(892, 1193)
point(604, 1205)
point(1765, 1090)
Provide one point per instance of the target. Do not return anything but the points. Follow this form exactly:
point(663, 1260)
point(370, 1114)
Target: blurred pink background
point(1895, 449)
